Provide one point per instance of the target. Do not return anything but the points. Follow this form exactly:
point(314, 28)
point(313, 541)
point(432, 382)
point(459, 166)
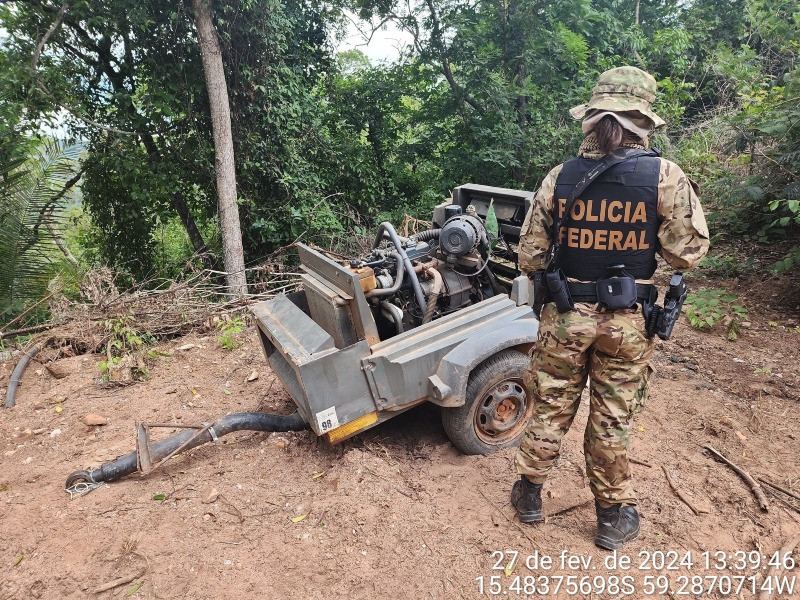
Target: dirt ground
point(395, 512)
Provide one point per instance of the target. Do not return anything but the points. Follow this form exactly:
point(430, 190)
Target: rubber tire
point(459, 422)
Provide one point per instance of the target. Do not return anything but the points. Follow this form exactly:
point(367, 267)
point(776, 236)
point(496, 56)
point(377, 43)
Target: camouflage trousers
point(611, 350)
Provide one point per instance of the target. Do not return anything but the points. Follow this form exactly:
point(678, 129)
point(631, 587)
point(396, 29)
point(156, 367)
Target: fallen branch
point(118, 582)
point(3, 331)
point(640, 462)
point(26, 330)
point(757, 491)
point(779, 488)
point(788, 547)
point(680, 494)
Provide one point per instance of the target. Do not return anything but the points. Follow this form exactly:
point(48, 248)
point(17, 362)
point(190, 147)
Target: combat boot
point(617, 524)
point(526, 497)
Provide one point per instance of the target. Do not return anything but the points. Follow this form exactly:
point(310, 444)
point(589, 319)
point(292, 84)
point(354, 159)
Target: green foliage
point(748, 154)
point(229, 332)
point(34, 193)
point(706, 307)
point(126, 342)
point(327, 144)
point(719, 264)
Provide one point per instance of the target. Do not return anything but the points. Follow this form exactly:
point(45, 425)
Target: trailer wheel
point(497, 407)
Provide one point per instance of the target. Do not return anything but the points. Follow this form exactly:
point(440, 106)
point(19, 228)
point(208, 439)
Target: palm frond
point(33, 195)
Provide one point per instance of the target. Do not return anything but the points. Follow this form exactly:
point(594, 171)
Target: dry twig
point(680, 494)
point(757, 491)
point(118, 582)
point(779, 488)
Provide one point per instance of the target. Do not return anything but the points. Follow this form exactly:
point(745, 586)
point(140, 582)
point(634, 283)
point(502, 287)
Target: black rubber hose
point(394, 313)
point(424, 236)
point(388, 228)
point(398, 279)
point(16, 375)
point(249, 421)
point(375, 263)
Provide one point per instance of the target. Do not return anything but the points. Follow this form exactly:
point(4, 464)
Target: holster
point(659, 320)
point(559, 290)
point(539, 292)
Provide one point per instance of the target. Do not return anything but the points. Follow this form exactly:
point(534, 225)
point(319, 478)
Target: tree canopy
point(325, 141)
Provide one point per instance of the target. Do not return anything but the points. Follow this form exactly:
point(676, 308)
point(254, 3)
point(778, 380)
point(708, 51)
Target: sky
point(384, 45)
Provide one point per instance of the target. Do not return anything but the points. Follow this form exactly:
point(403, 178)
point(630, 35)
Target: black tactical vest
point(614, 222)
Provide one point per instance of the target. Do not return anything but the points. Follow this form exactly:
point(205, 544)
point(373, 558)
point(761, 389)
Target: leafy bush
point(706, 307)
point(125, 351)
point(726, 265)
point(230, 330)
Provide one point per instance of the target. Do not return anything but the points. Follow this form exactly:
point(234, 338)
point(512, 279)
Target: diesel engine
point(410, 281)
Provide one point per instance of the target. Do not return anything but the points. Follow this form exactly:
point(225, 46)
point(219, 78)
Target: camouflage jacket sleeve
point(534, 238)
point(683, 234)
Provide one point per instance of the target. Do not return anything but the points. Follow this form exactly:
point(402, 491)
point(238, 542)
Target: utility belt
point(587, 292)
point(617, 290)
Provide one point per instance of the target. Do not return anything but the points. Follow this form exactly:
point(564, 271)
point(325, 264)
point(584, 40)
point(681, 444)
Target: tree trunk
point(515, 59)
point(232, 251)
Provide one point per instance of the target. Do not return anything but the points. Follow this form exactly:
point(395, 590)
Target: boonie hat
point(622, 89)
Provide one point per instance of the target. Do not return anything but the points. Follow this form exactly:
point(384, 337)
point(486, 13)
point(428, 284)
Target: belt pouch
point(559, 290)
point(616, 291)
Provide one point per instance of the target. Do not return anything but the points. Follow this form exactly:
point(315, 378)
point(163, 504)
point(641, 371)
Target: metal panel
point(330, 311)
point(291, 330)
point(316, 374)
point(291, 380)
point(448, 385)
point(336, 380)
point(346, 284)
point(399, 367)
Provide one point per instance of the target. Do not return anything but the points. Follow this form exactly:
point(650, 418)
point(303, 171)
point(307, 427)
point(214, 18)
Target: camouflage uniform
point(608, 348)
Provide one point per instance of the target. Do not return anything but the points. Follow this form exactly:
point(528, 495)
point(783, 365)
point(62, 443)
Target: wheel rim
point(502, 413)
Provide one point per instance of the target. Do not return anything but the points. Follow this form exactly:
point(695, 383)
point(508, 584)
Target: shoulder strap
point(608, 161)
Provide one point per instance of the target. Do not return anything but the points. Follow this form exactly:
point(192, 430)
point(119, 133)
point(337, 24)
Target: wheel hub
point(502, 409)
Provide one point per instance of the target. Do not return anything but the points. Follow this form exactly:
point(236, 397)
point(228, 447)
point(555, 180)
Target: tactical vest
point(615, 222)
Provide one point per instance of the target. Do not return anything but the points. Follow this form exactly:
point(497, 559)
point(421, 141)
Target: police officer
point(638, 207)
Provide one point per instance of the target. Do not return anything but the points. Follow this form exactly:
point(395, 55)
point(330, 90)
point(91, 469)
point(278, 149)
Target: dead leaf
point(253, 376)
point(299, 518)
point(58, 409)
point(20, 558)
point(318, 474)
point(185, 347)
point(512, 564)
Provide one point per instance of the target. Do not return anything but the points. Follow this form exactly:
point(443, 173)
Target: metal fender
point(448, 386)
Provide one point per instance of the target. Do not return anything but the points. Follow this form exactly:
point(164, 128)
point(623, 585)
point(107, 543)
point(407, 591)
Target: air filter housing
point(460, 235)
